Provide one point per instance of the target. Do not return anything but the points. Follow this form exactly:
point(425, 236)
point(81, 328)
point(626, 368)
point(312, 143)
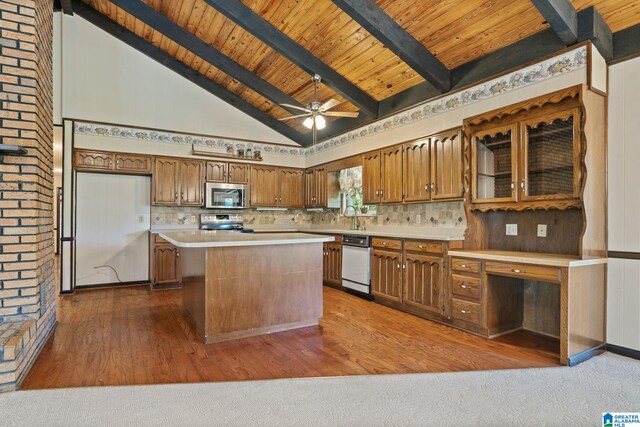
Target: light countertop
point(211, 239)
point(535, 258)
point(444, 234)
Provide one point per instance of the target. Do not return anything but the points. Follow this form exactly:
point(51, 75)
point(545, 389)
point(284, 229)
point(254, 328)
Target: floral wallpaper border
point(556, 66)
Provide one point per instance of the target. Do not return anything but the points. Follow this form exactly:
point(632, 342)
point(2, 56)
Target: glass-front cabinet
point(534, 157)
point(550, 160)
point(494, 158)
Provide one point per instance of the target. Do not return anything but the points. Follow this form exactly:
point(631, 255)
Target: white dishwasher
point(356, 264)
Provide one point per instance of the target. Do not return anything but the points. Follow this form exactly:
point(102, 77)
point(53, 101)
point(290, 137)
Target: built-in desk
point(487, 295)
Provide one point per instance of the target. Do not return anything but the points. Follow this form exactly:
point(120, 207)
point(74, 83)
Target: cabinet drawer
point(378, 242)
point(422, 246)
point(466, 311)
point(465, 286)
point(534, 272)
point(159, 240)
point(458, 264)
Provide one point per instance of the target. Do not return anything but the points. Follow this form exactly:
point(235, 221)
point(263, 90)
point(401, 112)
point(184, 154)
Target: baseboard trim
point(624, 351)
point(585, 355)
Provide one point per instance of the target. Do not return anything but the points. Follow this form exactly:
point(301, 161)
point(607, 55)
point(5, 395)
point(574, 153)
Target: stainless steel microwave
point(226, 196)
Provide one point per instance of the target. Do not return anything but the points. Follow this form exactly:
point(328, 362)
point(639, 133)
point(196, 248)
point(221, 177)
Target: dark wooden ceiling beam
point(103, 22)
point(592, 26)
point(189, 41)
point(562, 17)
point(626, 44)
point(285, 46)
point(398, 40)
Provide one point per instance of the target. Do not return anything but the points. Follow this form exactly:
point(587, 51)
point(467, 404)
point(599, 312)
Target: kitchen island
point(239, 285)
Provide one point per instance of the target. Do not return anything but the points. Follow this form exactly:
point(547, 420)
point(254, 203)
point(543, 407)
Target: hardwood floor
point(123, 336)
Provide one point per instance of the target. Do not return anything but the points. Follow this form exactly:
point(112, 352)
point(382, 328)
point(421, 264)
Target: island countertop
point(212, 238)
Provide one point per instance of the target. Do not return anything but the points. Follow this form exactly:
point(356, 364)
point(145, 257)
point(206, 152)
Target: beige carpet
point(552, 396)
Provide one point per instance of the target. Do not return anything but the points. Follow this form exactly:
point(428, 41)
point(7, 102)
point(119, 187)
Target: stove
point(223, 222)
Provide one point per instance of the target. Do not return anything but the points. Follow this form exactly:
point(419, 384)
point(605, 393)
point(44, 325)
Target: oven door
point(226, 196)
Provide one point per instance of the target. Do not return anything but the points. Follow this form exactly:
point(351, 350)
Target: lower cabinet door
point(423, 282)
point(167, 265)
point(335, 262)
point(386, 275)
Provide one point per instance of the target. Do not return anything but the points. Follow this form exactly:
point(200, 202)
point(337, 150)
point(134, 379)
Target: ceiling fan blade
point(352, 114)
point(296, 107)
point(329, 104)
point(294, 117)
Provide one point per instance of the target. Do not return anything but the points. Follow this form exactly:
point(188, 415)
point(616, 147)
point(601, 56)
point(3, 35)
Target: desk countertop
point(210, 239)
point(535, 258)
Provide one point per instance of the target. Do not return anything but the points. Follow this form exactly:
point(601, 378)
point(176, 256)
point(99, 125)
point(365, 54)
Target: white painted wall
point(623, 315)
point(105, 80)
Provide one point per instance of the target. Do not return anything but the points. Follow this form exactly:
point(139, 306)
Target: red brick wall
point(27, 288)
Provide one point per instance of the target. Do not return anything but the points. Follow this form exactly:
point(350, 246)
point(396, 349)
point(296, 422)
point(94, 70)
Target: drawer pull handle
point(384, 243)
point(515, 270)
point(421, 247)
point(464, 286)
point(463, 265)
point(398, 266)
point(464, 312)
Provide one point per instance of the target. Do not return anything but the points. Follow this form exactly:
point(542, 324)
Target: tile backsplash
point(434, 215)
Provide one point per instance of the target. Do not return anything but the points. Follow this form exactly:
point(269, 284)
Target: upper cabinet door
point(216, 172)
point(238, 173)
point(550, 158)
point(371, 187)
point(493, 164)
point(264, 186)
point(392, 175)
point(309, 188)
point(320, 178)
point(166, 181)
point(92, 160)
point(416, 177)
point(192, 182)
point(133, 163)
point(291, 188)
point(446, 166)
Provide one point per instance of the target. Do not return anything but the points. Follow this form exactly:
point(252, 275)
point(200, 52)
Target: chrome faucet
point(356, 223)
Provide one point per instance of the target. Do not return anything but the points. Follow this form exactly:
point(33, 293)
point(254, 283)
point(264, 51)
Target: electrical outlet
point(193, 219)
point(542, 230)
point(512, 229)
point(140, 219)
point(418, 218)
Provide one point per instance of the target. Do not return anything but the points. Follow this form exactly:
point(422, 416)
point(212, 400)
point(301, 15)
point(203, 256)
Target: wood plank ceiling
point(454, 31)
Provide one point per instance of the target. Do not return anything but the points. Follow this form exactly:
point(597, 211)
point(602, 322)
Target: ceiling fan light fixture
point(308, 122)
point(321, 123)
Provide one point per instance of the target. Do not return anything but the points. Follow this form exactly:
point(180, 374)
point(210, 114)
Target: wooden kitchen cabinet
point(232, 173)
point(386, 275)
point(264, 186)
point(290, 188)
point(447, 165)
point(178, 182)
point(104, 161)
point(371, 184)
point(529, 159)
point(423, 282)
point(166, 181)
point(272, 186)
point(416, 175)
point(391, 175)
point(165, 265)
point(315, 187)
point(93, 160)
point(332, 264)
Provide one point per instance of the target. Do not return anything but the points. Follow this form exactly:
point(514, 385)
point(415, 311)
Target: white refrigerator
point(113, 215)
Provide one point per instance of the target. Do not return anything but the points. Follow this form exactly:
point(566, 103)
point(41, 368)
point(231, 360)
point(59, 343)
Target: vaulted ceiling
point(375, 56)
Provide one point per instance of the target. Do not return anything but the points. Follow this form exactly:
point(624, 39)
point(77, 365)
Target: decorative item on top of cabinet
point(529, 155)
point(178, 182)
point(103, 161)
point(165, 264)
point(315, 187)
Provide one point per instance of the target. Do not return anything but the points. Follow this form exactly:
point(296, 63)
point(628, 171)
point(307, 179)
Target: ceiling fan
point(315, 112)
